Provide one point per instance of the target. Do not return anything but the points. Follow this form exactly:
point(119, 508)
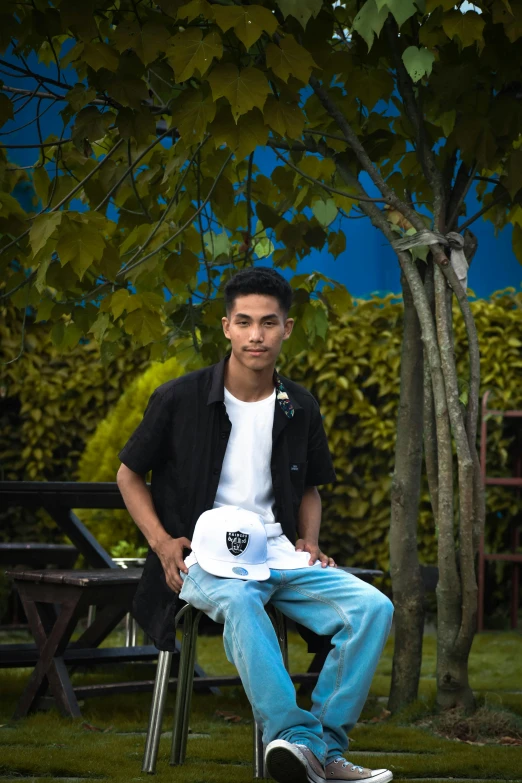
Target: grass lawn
point(107, 743)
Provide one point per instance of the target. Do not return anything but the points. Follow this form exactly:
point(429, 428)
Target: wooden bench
point(34, 555)
point(112, 590)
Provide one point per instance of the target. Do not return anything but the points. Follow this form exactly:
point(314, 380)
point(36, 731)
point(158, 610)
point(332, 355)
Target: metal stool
point(184, 689)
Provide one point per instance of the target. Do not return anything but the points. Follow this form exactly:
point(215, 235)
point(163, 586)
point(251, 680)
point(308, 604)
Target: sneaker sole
point(285, 766)
point(384, 777)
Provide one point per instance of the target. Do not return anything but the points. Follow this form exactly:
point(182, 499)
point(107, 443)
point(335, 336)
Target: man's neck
point(248, 385)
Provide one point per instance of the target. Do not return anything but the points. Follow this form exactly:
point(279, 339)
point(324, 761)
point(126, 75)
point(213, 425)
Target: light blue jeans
point(328, 601)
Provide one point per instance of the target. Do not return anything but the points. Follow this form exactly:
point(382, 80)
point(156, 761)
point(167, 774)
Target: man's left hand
point(315, 553)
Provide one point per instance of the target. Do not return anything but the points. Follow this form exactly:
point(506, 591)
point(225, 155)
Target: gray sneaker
point(288, 763)
point(340, 771)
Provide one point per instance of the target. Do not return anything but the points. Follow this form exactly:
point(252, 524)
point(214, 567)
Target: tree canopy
point(392, 110)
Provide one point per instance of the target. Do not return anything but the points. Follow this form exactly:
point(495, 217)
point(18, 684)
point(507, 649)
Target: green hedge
point(356, 380)
point(58, 407)
point(50, 405)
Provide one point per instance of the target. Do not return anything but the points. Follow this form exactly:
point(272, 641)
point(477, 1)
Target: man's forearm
point(139, 504)
point(309, 521)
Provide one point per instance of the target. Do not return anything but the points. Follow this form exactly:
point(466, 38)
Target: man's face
point(256, 328)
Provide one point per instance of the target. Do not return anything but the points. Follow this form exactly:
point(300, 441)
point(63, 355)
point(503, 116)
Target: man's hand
point(170, 552)
point(306, 546)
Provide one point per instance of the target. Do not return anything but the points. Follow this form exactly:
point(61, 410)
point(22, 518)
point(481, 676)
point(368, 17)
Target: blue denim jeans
point(326, 600)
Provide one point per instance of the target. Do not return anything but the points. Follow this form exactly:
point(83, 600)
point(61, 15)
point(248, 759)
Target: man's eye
point(269, 323)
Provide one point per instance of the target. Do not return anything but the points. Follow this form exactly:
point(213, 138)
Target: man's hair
point(259, 280)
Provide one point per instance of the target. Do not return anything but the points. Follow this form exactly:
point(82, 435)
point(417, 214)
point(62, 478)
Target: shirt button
point(215, 471)
point(223, 435)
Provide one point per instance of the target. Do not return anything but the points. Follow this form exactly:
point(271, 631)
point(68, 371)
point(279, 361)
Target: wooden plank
point(14, 657)
point(144, 686)
point(64, 494)
point(38, 555)
point(102, 577)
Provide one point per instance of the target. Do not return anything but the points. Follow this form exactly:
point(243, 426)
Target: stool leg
point(190, 687)
point(159, 695)
point(184, 681)
point(259, 753)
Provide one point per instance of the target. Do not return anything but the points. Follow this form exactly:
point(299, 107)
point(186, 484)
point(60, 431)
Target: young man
point(238, 434)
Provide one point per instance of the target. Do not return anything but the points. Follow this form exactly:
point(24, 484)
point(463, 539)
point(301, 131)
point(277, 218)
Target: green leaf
point(192, 113)
point(144, 325)
point(195, 8)
point(402, 10)
point(513, 178)
point(191, 52)
point(42, 228)
point(418, 62)
point(249, 21)
point(6, 109)
point(325, 211)
point(80, 245)
point(290, 59)
point(101, 55)
point(118, 302)
point(268, 216)
point(137, 125)
point(147, 40)
point(41, 184)
point(79, 96)
point(339, 299)
point(100, 326)
point(128, 90)
point(468, 27)
point(287, 119)
point(90, 124)
point(243, 89)
point(369, 21)
point(9, 206)
point(336, 243)
point(301, 10)
point(217, 244)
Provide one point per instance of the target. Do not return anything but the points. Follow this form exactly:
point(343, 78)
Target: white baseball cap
point(232, 542)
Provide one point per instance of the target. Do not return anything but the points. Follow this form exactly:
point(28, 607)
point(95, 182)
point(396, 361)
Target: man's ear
point(289, 325)
point(225, 323)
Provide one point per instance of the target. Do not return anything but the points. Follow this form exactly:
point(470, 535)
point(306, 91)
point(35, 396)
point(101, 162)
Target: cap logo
point(240, 571)
point(237, 542)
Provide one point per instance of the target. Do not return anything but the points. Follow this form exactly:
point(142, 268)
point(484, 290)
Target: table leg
point(51, 633)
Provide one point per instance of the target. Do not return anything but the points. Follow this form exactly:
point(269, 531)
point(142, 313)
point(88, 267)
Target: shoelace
point(348, 764)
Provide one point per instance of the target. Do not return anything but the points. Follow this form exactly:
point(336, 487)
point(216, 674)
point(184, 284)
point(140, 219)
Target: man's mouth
point(256, 350)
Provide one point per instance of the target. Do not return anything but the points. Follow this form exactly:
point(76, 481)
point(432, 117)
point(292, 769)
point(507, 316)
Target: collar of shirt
point(286, 402)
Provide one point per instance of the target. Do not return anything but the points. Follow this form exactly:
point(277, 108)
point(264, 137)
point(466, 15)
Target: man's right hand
point(170, 553)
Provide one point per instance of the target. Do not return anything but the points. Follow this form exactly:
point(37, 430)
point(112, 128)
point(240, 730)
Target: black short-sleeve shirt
point(182, 439)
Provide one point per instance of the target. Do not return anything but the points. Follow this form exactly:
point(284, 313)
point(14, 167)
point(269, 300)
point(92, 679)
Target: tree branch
point(424, 152)
point(351, 137)
point(482, 211)
point(327, 187)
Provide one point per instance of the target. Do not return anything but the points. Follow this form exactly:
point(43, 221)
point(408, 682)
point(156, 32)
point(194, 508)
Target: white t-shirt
point(246, 478)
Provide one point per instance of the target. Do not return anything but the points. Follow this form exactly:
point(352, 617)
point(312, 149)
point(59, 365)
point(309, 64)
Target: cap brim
point(259, 571)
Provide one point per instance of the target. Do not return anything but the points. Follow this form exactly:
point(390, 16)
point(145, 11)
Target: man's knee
point(382, 606)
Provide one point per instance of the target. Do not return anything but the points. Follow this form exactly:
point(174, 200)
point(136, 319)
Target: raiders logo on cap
point(237, 542)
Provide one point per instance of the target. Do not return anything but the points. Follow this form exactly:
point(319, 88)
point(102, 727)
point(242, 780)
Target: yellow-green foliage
point(100, 462)
point(356, 380)
point(51, 404)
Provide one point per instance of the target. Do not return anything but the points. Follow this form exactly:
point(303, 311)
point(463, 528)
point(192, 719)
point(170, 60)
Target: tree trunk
point(456, 617)
point(407, 584)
